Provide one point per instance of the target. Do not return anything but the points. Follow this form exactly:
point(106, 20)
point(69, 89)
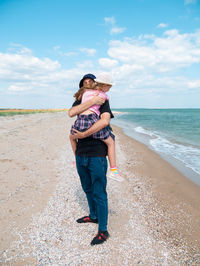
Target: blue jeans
point(92, 172)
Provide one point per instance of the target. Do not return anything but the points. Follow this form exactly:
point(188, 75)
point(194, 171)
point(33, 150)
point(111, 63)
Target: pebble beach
point(154, 215)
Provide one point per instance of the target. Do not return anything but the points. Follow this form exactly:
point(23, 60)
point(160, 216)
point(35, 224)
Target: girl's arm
point(78, 109)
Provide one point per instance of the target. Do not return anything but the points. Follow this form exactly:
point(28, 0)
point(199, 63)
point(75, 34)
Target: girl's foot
point(114, 174)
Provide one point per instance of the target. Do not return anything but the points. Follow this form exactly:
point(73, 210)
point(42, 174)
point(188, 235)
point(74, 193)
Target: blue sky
point(151, 49)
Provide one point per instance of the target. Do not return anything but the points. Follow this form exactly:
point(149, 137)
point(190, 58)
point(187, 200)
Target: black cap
point(87, 76)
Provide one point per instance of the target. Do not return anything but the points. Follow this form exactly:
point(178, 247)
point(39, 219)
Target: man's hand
point(97, 99)
point(97, 126)
point(78, 134)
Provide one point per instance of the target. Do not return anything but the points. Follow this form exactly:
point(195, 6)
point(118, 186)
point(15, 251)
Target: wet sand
point(154, 215)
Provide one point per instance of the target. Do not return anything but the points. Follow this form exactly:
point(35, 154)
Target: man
point(91, 163)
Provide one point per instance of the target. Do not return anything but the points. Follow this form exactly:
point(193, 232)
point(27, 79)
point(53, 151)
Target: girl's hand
point(97, 99)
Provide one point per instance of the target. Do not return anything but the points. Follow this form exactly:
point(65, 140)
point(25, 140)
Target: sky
point(151, 49)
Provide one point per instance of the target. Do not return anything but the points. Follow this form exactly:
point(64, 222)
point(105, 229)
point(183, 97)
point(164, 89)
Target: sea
point(173, 133)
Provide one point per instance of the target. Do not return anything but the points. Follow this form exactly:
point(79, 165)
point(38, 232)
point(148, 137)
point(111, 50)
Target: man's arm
point(78, 109)
point(103, 122)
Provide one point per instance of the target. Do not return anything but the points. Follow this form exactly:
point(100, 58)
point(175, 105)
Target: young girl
point(86, 119)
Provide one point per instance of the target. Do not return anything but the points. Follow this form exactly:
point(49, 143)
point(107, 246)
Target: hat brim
point(103, 82)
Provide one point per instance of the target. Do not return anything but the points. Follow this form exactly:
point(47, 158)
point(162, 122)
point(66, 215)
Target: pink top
point(88, 94)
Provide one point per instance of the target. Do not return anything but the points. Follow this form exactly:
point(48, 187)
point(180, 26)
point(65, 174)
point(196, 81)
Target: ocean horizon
point(173, 133)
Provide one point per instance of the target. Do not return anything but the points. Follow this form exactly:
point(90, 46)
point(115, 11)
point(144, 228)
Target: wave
point(144, 131)
point(187, 154)
point(162, 143)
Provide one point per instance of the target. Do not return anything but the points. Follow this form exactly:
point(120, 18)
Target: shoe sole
point(92, 244)
point(122, 179)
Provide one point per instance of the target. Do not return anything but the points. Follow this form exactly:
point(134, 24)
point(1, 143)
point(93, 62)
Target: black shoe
point(87, 219)
point(101, 237)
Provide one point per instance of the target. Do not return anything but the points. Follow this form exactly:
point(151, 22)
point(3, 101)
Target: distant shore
point(156, 208)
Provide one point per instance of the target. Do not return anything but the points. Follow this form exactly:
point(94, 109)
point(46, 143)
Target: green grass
point(11, 112)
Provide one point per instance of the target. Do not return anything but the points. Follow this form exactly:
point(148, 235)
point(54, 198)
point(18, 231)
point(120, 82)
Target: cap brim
point(81, 81)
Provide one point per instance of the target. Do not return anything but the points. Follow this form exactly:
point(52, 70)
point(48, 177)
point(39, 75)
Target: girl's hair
point(99, 85)
point(78, 95)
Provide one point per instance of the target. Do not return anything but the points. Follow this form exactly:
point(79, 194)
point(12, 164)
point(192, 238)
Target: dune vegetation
point(8, 112)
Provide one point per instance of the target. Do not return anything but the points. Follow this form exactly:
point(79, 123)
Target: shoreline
point(170, 187)
point(188, 172)
point(156, 207)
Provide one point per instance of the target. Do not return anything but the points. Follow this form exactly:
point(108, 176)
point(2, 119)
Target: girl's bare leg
point(73, 144)
point(111, 151)
point(114, 174)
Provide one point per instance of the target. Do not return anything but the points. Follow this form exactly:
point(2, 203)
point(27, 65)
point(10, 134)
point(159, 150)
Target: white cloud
point(146, 84)
point(19, 65)
point(161, 54)
point(116, 30)
point(89, 52)
point(194, 84)
point(70, 54)
point(19, 49)
point(57, 47)
point(59, 52)
point(110, 21)
point(23, 71)
point(87, 64)
point(107, 62)
point(162, 25)
point(128, 52)
point(148, 65)
point(17, 88)
point(127, 72)
point(144, 66)
point(187, 2)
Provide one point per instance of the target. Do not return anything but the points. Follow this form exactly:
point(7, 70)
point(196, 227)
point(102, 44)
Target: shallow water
point(170, 132)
